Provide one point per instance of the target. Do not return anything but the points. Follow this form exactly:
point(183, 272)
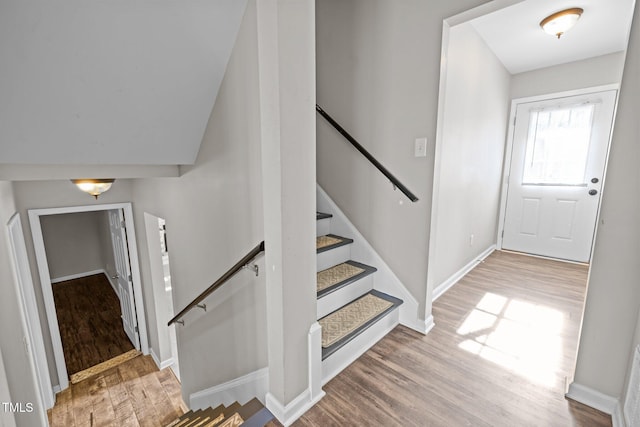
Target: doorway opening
point(125, 275)
point(158, 246)
point(477, 83)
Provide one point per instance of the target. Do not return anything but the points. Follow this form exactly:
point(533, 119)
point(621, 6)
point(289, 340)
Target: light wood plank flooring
point(504, 342)
point(91, 329)
point(132, 394)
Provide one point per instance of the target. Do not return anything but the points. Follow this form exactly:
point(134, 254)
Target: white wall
point(378, 73)
point(7, 419)
point(613, 298)
point(126, 82)
point(73, 243)
point(601, 70)
point(19, 375)
point(156, 280)
point(50, 194)
point(469, 157)
point(214, 217)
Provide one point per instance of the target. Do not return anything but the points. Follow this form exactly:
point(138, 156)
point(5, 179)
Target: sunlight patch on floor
point(517, 335)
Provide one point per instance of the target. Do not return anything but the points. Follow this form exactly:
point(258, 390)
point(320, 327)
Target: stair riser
point(333, 301)
point(333, 257)
point(323, 227)
point(347, 354)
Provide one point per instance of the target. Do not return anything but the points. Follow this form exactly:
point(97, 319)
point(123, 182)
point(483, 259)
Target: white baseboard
point(242, 389)
point(453, 279)
point(160, 364)
point(385, 279)
point(77, 276)
point(617, 418)
point(422, 326)
point(595, 399)
point(288, 414)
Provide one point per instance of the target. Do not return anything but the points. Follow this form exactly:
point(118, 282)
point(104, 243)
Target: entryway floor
point(500, 354)
point(132, 394)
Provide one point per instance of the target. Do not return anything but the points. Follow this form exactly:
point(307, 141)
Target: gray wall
point(214, 217)
point(73, 243)
point(601, 70)
point(613, 298)
point(19, 375)
point(378, 68)
point(53, 194)
point(469, 169)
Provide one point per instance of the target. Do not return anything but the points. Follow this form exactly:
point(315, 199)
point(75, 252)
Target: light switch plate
point(420, 147)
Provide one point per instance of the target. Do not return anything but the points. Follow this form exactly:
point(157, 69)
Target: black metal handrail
point(395, 181)
point(221, 281)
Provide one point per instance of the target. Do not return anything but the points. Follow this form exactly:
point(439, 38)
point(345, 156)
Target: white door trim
point(29, 313)
point(509, 147)
point(45, 278)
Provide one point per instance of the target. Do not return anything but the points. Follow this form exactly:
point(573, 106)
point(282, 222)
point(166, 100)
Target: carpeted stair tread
point(331, 241)
point(344, 324)
point(322, 215)
point(340, 275)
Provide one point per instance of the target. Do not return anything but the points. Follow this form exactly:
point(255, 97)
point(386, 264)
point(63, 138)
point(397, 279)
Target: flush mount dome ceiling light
point(560, 22)
point(95, 187)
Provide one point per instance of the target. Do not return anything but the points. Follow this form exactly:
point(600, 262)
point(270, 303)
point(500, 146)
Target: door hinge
point(136, 329)
point(130, 278)
point(503, 234)
point(122, 224)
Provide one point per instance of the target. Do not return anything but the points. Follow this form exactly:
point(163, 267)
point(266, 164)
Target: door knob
point(593, 192)
point(595, 180)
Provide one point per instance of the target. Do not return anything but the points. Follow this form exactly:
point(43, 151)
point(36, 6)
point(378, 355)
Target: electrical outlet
point(420, 149)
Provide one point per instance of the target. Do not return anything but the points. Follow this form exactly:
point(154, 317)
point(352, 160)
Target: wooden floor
point(132, 394)
point(504, 343)
point(90, 325)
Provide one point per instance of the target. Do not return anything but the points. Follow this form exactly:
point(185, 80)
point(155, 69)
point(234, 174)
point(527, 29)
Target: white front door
point(123, 275)
point(557, 165)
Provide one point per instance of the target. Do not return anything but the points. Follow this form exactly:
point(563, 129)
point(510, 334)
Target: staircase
point(353, 315)
point(251, 414)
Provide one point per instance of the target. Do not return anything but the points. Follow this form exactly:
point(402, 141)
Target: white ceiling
point(117, 82)
point(515, 36)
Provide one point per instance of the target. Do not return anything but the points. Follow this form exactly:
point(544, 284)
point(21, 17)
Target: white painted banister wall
point(610, 318)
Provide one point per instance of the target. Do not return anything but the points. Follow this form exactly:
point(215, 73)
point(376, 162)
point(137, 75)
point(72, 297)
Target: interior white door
point(123, 275)
point(557, 165)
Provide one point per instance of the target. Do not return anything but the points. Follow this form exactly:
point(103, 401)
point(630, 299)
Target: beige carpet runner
point(346, 320)
point(336, 274)
point(324, 241)
point(101, 367)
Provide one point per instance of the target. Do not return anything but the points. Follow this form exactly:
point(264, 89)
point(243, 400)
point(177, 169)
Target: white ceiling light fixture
point(560, 22)
point(95, 187)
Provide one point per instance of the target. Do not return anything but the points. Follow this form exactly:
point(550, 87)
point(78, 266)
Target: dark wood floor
point(132, 394)
point(90, 325)
point(504, 343)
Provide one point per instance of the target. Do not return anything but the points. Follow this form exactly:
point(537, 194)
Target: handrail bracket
point(253, 268)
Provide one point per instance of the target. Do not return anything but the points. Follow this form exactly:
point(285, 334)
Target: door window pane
point(558, 146)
